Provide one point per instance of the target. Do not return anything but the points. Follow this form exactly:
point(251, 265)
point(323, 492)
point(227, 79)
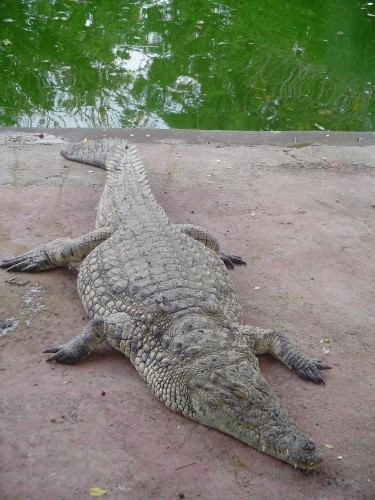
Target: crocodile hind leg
point(280, 347)
point(79, 348)
point(57, 253)
point(211, 242)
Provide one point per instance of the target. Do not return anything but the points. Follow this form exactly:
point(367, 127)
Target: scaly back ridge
point(129, 187)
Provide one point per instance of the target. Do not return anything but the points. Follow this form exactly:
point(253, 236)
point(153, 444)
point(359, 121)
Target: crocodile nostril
point(309, 445)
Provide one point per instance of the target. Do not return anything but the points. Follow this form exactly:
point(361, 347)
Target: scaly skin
point(165, 300)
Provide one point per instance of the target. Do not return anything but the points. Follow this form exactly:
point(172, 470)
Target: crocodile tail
point(128, 185)
point(96, 153)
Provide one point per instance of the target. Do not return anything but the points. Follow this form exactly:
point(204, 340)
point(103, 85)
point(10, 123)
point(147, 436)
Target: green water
point(234, 64)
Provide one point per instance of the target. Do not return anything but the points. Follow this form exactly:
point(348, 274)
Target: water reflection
point(172, 63)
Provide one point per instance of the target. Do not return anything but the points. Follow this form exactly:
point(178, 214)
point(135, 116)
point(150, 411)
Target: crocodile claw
point(309, 370)
point(230, 260)
point(29, 262)
point(61, 355)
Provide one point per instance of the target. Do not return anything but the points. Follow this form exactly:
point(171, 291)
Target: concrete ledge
point(300, 208)
point(141, 135)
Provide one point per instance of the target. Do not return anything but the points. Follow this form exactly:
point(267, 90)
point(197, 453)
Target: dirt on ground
point(301, 213)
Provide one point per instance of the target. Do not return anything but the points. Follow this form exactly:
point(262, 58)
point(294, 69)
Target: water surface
point(234, 64)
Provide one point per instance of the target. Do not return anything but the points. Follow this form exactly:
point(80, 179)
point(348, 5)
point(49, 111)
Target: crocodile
point(160, 293)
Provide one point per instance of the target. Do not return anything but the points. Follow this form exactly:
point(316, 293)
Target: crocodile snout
point(309, 445)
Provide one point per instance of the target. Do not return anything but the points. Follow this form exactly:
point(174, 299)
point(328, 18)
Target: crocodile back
point(149, 266)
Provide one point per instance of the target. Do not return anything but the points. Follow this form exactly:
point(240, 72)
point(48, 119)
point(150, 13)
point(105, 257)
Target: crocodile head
point(230, 395)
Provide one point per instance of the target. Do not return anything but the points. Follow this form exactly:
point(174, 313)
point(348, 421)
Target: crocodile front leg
point(79, 348)
point(280, 347)
point(57, 253)
point(211, 242)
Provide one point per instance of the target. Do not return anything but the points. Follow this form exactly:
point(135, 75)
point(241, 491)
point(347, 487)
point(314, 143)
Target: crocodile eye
point(238, 394)
point(165, 342)
point(187, 327)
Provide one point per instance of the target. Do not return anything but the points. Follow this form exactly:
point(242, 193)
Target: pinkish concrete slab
point(301, 209)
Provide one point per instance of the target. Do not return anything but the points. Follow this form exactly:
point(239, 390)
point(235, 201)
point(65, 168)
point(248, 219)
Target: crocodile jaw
point(237, 400)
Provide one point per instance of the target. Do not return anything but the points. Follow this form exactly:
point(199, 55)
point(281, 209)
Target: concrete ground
point(300, 208)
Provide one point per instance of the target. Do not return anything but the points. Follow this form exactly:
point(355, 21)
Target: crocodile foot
point(80, 347)
point(62, 355)
point(230, 260)
point(29, 262)
point(308, 368)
